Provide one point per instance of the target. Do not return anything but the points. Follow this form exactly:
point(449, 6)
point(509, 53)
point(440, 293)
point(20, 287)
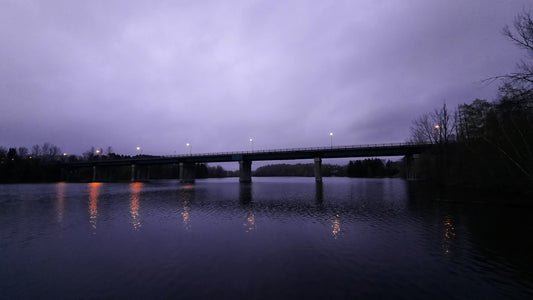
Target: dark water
point(277, 238)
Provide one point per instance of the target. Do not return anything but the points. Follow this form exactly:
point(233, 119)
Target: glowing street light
point(98, 151)
point(437, 127)
point(190, 148)
point(252, 142)
point(140, 150)
point(331, 139)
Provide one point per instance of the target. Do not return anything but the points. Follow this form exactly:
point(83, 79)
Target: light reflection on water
point(94, 187)
point(336, 226)
point(276, 238)
point(449, 234)
point(61, 186)
point(134, 206)
point(187, 194)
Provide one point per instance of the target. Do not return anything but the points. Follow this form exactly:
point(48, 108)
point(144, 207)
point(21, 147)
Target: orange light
point(134, 205)
point(93, 202)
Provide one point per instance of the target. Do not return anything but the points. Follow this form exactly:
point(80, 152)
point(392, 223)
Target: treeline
point(39, 164)
point(368, 168)
point(373, 168)
point(302, 170)
point(491, 148)
point(485, 145)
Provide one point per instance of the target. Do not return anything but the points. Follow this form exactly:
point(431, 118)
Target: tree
point(23, 152)
point(471, 120)
point(88, 155)
point(522, 36)
point(36, 150)
point(433, 128)
point(12, 154)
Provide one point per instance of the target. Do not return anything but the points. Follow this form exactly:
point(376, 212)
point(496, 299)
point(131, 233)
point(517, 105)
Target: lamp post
point(252, 142)
point(437, 127)
point(140, 150)
point(190, 148)
point(331, 139)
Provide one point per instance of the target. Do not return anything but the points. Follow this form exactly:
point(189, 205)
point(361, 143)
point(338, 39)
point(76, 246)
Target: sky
point(215, 74)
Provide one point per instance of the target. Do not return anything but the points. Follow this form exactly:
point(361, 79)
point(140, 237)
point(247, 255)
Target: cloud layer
point(159, 74)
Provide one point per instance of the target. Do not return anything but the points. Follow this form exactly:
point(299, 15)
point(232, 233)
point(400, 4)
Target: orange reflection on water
point(449, 234)
point(250, 222)
point(60, 208)
point(134, 205)
point(336, 227)
point(186, 214)
point(93, 202)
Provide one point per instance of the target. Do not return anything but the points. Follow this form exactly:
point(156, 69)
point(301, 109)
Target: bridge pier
point(94, 174)
point(318, 169)
point(187, 172)
point(140, 172)
point(245, 171)
point(132, 172)
point(411, 166)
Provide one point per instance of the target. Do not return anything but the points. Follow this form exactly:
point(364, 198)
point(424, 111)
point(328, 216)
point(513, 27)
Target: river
point(276, 238)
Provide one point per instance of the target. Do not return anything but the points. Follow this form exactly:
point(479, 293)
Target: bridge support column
point(64, 174)
point(411, 166)
point(187, 172)
point(245, 171)
point(94, 174)
point(132, 172)
point(318, 169)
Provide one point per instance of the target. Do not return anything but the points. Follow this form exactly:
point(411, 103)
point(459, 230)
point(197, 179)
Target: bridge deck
point(376, 150)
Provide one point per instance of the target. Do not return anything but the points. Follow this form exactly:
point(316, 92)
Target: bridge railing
point(266, 151)
point(285, 150)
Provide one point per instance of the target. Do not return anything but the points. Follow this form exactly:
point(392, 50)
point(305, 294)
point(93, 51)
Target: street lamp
point(190, 148)
point(331, 139)
point(252, 142)
point(437, 127)
point(140, 150)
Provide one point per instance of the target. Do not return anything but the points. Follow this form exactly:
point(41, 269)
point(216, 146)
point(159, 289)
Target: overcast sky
point(160, 74)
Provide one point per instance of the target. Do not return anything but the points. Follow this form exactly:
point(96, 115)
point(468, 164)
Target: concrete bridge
point(140, 165)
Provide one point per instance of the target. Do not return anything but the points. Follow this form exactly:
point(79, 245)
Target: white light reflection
point(188, 189)
point(60, 206)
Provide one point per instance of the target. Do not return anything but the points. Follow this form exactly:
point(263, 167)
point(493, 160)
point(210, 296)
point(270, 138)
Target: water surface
point(277, 238)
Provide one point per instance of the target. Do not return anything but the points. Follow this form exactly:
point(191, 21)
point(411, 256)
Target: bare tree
point(522, 36)
point(433, 128)
point(445, 124)
point(88, 155)
point(423, 130)
point(36, 150)
point(23, 152)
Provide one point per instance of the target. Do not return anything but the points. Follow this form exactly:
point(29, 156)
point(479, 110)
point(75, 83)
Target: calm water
point(277, 238)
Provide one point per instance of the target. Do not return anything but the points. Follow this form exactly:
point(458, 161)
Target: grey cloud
point(215, 74)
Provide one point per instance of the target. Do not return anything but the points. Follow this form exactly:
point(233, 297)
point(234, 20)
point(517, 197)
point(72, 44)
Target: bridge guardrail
point(265, 151)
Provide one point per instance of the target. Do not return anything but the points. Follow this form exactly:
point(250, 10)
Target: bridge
point(187, 163)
